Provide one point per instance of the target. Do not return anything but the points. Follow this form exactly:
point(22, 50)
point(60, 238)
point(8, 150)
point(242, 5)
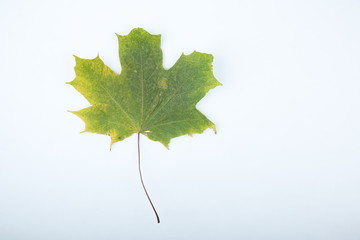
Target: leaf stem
point(142, 182)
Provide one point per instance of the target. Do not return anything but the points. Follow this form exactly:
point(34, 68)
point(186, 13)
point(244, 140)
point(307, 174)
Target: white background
point(285, 163)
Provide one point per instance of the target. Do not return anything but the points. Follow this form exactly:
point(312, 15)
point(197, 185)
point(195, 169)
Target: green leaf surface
point(145, 98)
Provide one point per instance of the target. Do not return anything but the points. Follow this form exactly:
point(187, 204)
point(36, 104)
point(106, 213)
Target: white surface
point(284, 165)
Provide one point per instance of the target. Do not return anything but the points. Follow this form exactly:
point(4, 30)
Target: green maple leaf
point(145, 98)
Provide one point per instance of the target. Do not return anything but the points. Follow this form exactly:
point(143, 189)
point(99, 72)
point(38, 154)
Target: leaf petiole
point(142, 182)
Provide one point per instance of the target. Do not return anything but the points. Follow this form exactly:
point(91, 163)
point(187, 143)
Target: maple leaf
point(145, 98)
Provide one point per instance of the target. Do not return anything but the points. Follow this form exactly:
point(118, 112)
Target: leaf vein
point(118, 104)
